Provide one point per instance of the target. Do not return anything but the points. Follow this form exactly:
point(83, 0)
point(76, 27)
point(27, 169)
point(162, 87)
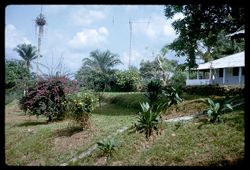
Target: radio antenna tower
point(130, 38)
point(40, 23)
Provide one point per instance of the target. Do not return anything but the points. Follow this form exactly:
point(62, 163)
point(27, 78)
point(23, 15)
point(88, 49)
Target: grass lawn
point(188, 145)
point(32, 141)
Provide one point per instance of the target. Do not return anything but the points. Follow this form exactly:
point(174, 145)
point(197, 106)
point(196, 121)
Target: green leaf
point(229, 106)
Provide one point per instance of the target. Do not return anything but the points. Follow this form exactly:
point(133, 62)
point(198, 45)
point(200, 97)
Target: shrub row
point(214, 90)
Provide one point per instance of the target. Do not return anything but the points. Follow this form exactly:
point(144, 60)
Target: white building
point(228, 70)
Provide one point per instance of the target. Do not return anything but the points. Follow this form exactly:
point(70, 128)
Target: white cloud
point(13, 37)
point(157, 28)
point(89, 38)
point(86, 17)
point(135, 59)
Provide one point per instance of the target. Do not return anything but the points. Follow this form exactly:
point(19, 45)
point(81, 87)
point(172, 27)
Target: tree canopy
point(202, 24)
point(96, 69)
point(27, 52)
point(15, 73)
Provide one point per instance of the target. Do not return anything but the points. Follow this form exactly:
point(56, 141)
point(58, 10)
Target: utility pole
point(130, 38)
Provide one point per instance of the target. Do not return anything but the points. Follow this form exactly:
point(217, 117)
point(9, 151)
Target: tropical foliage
point(172, 96)
point(27, 52)
point(79, 107)
point(107, 146)
point(148, 120)
point(125, 81)
point(201, 25)
point(216, 109)
point(15, 73)
point(46, 97)
point(96, 70)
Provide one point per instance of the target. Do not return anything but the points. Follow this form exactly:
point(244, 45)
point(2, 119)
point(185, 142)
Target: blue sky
point(73, 31)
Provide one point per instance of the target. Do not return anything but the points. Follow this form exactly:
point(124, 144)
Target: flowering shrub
point(79, 107)
point(46, 97)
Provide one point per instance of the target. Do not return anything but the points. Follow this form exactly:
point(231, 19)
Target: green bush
point(79, 107)
point(154, 91)
point(208, 90)
point(160, 96)
point(178, 81)
point(125, 81)
point(131, 101)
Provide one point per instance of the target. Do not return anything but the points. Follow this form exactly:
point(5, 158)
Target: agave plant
point(172, 95)
point(148, 120)
point(215, 109)
point(107, 146)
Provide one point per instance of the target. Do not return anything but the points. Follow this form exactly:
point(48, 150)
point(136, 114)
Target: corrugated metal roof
point(235, 60)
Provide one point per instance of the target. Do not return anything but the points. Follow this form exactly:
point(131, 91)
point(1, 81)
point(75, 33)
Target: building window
point(235, 71)
point(221, 72)
point(243, 71)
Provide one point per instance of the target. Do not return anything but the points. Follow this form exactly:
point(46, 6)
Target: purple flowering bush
point(46, 97)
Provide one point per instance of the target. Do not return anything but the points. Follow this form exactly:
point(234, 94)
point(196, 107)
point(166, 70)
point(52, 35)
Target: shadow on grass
point(68, 131)
point(114, 110)
point(31, 123)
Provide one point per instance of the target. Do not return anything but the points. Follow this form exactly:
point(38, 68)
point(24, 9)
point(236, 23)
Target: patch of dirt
point(63, 143)
point(184, 109)
point(146, 143)
point(18, 118)
point(101, 161)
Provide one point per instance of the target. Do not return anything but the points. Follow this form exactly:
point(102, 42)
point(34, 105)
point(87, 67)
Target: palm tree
point(101, 62)
point(27, 52)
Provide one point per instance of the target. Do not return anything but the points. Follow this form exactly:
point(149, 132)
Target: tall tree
point(202, 24)
point(97, 68)
point(27, 52)
point(101, 62)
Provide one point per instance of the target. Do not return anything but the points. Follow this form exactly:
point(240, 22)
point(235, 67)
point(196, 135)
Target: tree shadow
point(68, 131)
point(31, 123)
point(114, 110)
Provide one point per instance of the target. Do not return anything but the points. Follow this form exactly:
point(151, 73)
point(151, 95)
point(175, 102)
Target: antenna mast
point(130, 38)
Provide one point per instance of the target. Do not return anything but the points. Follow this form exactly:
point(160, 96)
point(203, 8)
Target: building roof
point(236, 33)
point(234, 60)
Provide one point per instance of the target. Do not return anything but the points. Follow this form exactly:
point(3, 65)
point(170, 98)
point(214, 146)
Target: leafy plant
point(46, 97)
point(107, 146)
point(154, 90)
point(215, 109)
point(148, 121)
point(126, 80)
point(79, 106)
point(172, 96)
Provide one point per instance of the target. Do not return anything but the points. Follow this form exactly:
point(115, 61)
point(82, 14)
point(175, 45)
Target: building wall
point(230, 79)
